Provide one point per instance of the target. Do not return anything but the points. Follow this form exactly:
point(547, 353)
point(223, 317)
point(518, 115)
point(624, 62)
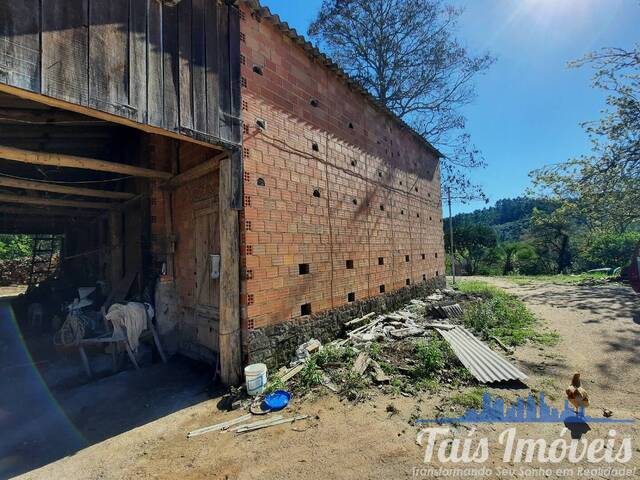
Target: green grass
point(558, 279)
point(469, 398)
point(503, 316)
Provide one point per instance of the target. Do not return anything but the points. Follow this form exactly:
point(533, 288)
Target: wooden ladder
point(45, 246)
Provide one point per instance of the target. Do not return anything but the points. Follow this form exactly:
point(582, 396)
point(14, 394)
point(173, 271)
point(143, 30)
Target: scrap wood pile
point(17, 271)
point(414, 348)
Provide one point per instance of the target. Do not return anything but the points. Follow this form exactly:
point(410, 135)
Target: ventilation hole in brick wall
point(315, 103)
point(436, 254)
point(428, 195)
point(243, 60)
point(243, 82)
point(416, 189)
point(351, 297)
point(401, 212)
point(424, 277)
point(303, 268)
point(258, 69)
point(315, 147)
point(305, 309)
point(381, 288)
point(351, 125)
point(245, 129)
point(249, 249)
point(349, 264)
point(424, 256)
point(247, 225)
point(408, 281)
point(355, 201)
point(242, 15)
point(382, 208)
point(250, 299)
point(353, 163)
point(260, 182)
point(247, 201)
point(153, 219)
point(400, 182)
point(245, 105)
point(249, 275)
point(154, 201)
point(379, 174)
point(247, 177)
point(437, 273)
point(417, 215)
point(316, 193)
point(243, 37)
point(380, 260)
point(246, 153)
point(261, 124)
point(430, 218)
point(406, 258)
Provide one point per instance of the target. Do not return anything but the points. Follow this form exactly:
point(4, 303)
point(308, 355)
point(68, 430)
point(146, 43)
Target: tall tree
point(404, 52)
point(605, 187)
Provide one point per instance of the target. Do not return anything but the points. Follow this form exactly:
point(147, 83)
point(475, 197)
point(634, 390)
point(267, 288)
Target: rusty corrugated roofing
point(483, 363)
point(316, 54)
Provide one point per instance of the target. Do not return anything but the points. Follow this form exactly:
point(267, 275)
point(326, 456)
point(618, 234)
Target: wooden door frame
point(229, 329)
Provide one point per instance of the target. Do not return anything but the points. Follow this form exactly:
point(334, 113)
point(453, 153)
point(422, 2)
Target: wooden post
point(115, 247)
point(230, 339)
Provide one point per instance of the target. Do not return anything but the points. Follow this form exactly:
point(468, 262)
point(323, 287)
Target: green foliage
point(431, 358)
point(609, 250)
point(471, 244)
point(15, 246)
point(274, 384)
point(469, 398)
point(310, 375)
point(503, 316)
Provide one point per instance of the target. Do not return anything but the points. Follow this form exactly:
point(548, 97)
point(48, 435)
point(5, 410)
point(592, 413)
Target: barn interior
point(96, 243)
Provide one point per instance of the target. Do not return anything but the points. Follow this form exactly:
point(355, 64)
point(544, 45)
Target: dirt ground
point(600, 337)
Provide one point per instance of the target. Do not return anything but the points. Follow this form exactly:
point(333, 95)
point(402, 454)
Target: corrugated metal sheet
point(483, 363)
point(264, 13)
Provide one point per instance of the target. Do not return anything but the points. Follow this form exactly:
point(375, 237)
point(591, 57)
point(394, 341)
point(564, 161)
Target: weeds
point(274, 384)
point(469, 398)
point(503, 316)
point(310, 375)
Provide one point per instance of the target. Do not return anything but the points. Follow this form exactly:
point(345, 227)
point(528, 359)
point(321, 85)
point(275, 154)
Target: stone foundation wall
point(275, 345)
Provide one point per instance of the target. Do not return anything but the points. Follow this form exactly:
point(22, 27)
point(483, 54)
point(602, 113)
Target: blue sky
point(529, 104)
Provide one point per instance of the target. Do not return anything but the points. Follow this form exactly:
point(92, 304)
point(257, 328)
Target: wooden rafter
point(45, 212)
point(201, 170)
point(55, 188)
point(71, 161)
point(53, 202)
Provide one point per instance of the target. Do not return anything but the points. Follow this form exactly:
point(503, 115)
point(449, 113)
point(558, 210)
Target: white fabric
point(130, 320)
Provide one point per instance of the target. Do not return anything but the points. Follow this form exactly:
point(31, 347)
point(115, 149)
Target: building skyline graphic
point(531, 410)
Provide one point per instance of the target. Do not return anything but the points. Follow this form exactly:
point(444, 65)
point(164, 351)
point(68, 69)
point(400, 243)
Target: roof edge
point(315, 54)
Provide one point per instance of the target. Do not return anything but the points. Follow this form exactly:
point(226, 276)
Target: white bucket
point(256, 378)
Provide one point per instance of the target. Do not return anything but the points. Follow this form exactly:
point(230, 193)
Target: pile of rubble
point(384, 350)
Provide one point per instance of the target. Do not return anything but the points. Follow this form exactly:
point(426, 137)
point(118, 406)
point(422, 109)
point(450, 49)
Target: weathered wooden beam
point(109, 117)
point(53, 202)
point(46, 212)
point(198, 171)
point(55, 188)
point(230, 344)
point(71, 161)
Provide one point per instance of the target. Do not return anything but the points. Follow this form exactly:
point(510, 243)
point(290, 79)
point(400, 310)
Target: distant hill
point(509, 217)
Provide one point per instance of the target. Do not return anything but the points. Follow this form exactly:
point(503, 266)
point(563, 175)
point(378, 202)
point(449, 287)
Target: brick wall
point(337, 187)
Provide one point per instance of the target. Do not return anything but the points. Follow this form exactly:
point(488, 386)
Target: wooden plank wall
point(173, 67)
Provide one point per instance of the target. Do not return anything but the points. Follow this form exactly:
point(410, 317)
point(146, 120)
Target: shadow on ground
point(40, 425)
